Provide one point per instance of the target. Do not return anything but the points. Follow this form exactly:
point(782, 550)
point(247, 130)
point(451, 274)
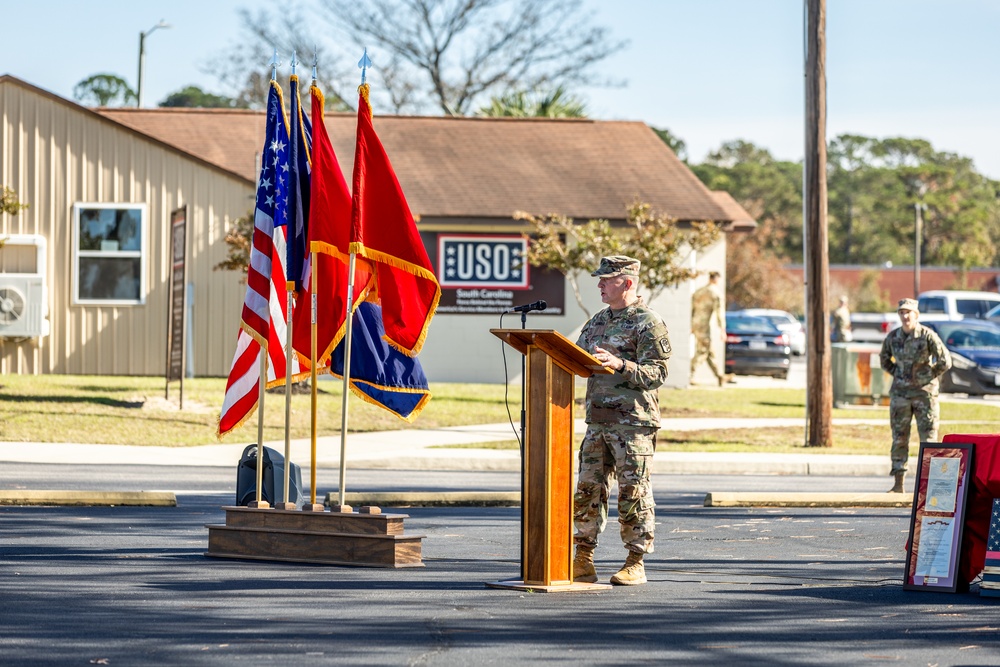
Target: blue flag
point(300, 160)
point(381, 374)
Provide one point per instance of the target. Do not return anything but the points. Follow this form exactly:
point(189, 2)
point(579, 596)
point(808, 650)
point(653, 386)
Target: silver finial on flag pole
point(364, 64)
point(315, 62)
point(294, 62)
point(274, 65)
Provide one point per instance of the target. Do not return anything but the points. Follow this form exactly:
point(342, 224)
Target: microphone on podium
point(528, 307)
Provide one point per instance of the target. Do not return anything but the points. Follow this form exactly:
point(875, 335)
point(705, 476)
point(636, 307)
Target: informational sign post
point(177, 300)
point(939, 500)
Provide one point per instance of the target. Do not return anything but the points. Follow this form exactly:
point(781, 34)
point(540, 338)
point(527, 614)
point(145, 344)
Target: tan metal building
point(463, 177)
point(100, 196)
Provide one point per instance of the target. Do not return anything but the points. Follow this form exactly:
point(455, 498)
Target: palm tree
point(520, 104)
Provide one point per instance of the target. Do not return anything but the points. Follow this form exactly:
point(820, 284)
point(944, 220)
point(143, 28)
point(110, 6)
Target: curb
point(90, 498)
point(748, 499)
point(675, 463)
point(423, 499)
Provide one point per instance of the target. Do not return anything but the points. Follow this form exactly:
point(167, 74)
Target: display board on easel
point(936, 524)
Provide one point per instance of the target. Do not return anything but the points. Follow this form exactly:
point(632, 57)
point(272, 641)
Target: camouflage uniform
point(706, 306)
point(623, 416)
point(915, 360)
point(842, 325)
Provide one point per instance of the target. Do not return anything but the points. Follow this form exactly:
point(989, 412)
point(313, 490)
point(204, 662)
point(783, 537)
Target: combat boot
point(633, 572)
point(583, 565)
point(897, 487)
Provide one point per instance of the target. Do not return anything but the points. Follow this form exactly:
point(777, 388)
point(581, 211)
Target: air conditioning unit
point(23, 296)
point(22, 306)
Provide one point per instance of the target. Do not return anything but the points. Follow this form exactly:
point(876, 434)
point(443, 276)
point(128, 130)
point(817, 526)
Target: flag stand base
point(324, 538)
point(560, 587)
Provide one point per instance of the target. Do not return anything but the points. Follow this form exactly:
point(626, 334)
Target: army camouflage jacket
point(841, 325)
point(706, 307)
point(639, 336)
point(915, 360)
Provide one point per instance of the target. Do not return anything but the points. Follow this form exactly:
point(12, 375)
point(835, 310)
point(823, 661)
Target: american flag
point(263, 323)
point(298, 195)
point(993, 538)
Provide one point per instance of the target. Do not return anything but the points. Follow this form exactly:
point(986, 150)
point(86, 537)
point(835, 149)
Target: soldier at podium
point(623, 416)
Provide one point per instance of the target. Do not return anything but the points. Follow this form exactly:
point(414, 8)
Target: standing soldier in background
point(623, 416)
point(841, 328)
point(916, 358)
point(706, 307)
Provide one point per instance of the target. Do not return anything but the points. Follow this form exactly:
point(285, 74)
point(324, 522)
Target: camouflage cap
point(908, 304)
point(617, 265)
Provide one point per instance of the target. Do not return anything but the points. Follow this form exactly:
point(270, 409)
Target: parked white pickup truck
point(872, 327)
point(955, 304)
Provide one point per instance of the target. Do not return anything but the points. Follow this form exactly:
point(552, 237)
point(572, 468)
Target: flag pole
point(313, 336)
point(347, 387)
point(364, 64)
point(289, 303)
point(262, 384)
point(312, 378)
point(262, 375)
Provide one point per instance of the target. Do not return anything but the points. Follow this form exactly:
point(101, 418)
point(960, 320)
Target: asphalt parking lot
point(132, 586)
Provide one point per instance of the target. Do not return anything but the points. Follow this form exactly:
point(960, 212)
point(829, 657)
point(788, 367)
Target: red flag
point(383, 231)
point(264, 306)
point(329, 225)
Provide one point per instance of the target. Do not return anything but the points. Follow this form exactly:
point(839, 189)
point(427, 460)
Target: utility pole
point(819, 388)
point(918, 234)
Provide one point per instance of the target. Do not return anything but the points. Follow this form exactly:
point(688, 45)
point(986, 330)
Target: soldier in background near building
point(916, 358)
point(841, 326)
point(623, 416)
point(706, 307)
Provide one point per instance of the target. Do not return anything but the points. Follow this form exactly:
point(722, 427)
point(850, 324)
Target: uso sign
point(482, 261)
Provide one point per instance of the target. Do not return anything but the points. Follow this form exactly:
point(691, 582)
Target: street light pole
point(142, 58)
point(918, 234)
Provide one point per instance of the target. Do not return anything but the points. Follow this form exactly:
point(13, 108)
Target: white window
point(109, 253)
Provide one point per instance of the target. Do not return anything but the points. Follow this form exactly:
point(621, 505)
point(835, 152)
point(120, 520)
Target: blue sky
point(709, 70)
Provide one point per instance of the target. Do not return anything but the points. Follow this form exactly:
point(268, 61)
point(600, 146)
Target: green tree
point(875, 185)
point(656, 240)
point(449, 55)
point(9, 202)
point(868, 297)
point(768, 188)
point(556, 104)
point(104, 90)
point(238, 239)
point(193, 96)
point(755, 273)
point(675, 143)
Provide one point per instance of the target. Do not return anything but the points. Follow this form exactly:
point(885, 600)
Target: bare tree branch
point(449, 55)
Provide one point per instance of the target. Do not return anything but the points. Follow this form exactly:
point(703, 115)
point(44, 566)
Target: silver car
point(786, 323)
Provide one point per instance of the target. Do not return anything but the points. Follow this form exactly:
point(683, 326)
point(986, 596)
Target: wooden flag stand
point(366, 538)
point(547, 508)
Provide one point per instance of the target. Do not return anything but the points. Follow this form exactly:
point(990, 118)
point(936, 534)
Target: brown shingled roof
point(741, 219)
point(474, 167)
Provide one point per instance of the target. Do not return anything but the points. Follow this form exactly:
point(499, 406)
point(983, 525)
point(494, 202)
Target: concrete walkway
point(455, 449)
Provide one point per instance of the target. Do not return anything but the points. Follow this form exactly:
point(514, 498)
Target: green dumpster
point(858, 378)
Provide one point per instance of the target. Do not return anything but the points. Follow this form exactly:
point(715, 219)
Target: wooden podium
point(547, 465)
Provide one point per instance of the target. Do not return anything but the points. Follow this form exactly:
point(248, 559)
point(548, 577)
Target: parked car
point(975, 356)
point(993, 314)
point(754, 346)
point(955, 304)
point(872, 327)
point(786, 322)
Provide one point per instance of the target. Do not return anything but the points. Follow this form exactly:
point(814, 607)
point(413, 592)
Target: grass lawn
point(133, 410)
